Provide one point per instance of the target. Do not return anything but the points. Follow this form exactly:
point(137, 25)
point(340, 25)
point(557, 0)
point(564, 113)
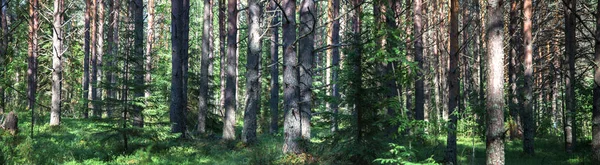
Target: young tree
point(291, 95)
point(57, 51)
point(180, 20)
point(274, 101)
point(453, 83)
point(495, 83)
point(207, 50)
point(32, 61)
point(527, 114)
point(252, 72)
point(230, 76)
point(570, 49)
point(306, 54)
point(596, 97)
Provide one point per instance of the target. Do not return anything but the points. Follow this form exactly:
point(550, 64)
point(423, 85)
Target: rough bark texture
point(596, 97)
point(527, 114)
point(179, 17)
point(113, 50)
point(334, 55)
point(513, 68)
point(32, 54)
point(138, 19)
point(306, 44)
point(418, 48)
point(570, 48)
point(230, 75)
point(252, 72)
point(223, 56)
point(274, 100)
point(207, 50)
point(99, 55)
point(292, 127)
point(86, 59)
point(495, 84)
point(453, 83)
point(149, 44)
point(93, 97)
point(11, 123)
point(57, 68)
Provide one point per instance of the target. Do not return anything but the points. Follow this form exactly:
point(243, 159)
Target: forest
point(300, 82)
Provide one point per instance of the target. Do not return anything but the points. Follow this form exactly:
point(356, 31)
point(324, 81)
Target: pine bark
point(527, 114)
point(453, 83)
point(570, 49)
point(292, 122)
point(274, 100)
point(93, 97)
point(596, 93)
point(252, 72)
point(495, 84)
point(86, 59)
point(99, 55)
point(149, 52)
point(57, 38)
point(138, 19)
point(513, 96)
point(418, 48)
point(230, 75)
point(180, 20)
point(32, 55)
point(306, 44)
point(207, 51)
point(113, 50)
point(334, 55)
point(223, 52)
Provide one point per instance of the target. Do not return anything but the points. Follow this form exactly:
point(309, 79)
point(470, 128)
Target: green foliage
point(402, 155)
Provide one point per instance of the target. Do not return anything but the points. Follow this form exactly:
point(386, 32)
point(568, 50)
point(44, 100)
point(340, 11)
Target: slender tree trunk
point(513, 97)
point(138, 17)
point(527, 114)
point(596, 97)
point(32, 62)
point(180, 18)
point(223, 57)
point(453, 83)
point(3, 49)
point(334, 54)
point(355, 61)
point(207, 51)
point(149, 52)
point(94, 59)
point(230, 75)
point(252, 72)
point(418, 46)
point(292, 122)
point(495, 84)
point(57, 68)
point(274, 101)
point(570, 48)
point(99, 54)
point(306, 45)
point(86, 59)
point(113, 46)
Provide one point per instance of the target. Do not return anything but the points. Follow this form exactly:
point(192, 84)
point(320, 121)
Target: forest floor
point(100, 141)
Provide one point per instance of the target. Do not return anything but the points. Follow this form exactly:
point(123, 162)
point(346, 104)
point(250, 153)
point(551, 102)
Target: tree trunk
point(57, 68)
point(513, 97)
point(230, 75)
point(418, 46)
point(207, 51)
point(138, 19)
point(453, 83)
point(355, 61)
point(3, 49)
point(305, 52)
point(334, 54)
point(113, 46)
point(32, 54)
point(274, 100)
point(495, 84)
point(570, 48)
point(527, 114)
point(596, 97)
point(86, 59)
point(94, 59)
point(180, 19)
point(99, 54)
point(149, 44)
point(223, 57)
point(292, 123)
point(252, 72)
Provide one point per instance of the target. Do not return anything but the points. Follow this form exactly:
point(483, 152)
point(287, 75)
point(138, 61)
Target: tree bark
point(32, 61)
point(292, 122)
point(3, 49)
point(138, 19)
point(355, 61)
point(513, 97)
point(334, 54)
point(113, 46)
point(418, 46)
point(180, 19)
point(306, 43)
point(223, 57)
point(570, 48)
point(207, 51)
point(149, 52)
point(99, 55)
point(230, 75)
point(252, 72)
point(527, 114)
point(94, 59)
point(495, 84)
point(86, 59)
point(274, 100)
point(596, 96)
point(453, 83)
point(57, 38)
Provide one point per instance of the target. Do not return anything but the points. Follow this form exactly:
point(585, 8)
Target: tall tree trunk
point(418, 46)
point(230, 75)
point(570, 48)
point(57, 68)
point(3, 49)
point(453, 83)
point(527, 114)
point(32, 62)
point(138, 19)
point(334, 54)
point(223, 56)
point(149, 44)
point(113, 46)
point(274, 100)
point(495, 84)
point(596, 97)
point(292, 123)
point(180, 19)
point(252, 72)
point(94, 59)
point(306, 46)
point(207, 51)
point(513, 97)
point(355, 61)
point(86, 59)
point(99, 54)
